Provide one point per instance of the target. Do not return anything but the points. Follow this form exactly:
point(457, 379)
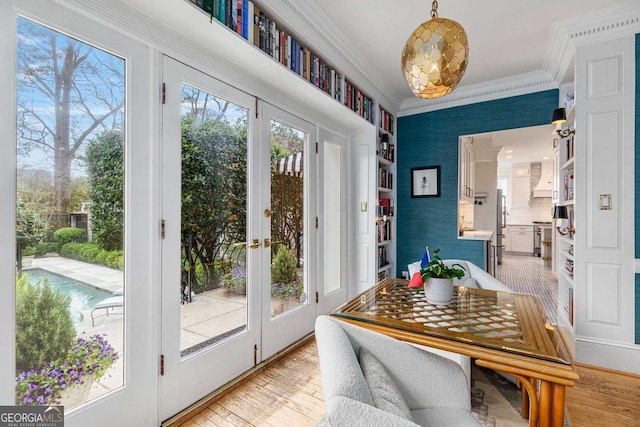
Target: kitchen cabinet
point(521, 238)
point(518, 238)
point(466, 170)
point(520, 191)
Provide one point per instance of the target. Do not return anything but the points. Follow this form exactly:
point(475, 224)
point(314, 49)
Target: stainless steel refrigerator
point(501, 224)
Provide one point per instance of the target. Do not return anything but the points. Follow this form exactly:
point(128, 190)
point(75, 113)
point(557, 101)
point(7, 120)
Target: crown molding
point(487, 91)
point(614, 22)
point(618, 21)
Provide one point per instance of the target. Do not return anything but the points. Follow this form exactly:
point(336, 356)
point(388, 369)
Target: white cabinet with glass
point(466, 170)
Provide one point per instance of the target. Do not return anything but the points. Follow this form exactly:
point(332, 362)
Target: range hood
point(545, 185)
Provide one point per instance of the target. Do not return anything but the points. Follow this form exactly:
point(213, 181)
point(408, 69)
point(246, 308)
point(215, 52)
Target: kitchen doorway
point(513, 194)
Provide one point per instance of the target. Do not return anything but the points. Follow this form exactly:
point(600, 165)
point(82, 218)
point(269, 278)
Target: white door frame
point(329, 300)
point(141, 316)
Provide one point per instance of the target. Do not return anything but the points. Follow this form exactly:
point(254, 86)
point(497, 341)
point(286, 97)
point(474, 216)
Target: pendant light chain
point(434, 9)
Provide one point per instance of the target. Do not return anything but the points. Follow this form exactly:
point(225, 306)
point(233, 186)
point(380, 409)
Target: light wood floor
point(288, 392)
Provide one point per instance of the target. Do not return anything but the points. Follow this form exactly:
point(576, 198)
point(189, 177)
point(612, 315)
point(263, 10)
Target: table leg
point(524, 410)
point(557, 406)
point(551, 404)
point(545, 403)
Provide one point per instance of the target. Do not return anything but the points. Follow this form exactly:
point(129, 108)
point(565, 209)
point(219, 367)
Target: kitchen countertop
point(477, 235)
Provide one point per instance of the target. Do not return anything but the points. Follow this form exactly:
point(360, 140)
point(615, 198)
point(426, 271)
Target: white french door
point(289, 248)
point(332, 240)
point(210, 276)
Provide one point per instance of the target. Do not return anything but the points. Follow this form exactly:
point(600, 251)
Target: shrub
point(69, 234)
point(44, 329)
point(30, 251)
point(47, 247)
point(92, 356)
point(89, 252)
point(283, 269)
point(115, 259)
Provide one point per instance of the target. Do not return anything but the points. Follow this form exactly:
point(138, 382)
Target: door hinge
point(257, 107)
point(164, 93)
point(316, 222)
point(317, 297)
point(255, 354)
point(162, 365)
point(316, 148)
point(162, 229)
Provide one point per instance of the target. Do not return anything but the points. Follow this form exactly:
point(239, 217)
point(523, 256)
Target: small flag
point(416, 280)
point(426, 258)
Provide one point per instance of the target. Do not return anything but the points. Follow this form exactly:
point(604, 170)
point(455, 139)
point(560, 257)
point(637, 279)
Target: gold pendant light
point(435, 56)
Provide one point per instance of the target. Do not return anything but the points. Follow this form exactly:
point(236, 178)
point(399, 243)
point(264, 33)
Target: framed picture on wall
point(425, 181)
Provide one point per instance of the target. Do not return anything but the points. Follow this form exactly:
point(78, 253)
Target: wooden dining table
point(504, 331)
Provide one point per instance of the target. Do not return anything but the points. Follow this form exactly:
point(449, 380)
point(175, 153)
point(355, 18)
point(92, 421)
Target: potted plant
point(438, 279)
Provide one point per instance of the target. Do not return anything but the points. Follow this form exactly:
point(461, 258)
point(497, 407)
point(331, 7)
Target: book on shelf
point(245, 18)
point(382, 257)
point(384, 231)
point(385, 178)
point(568, 186)
point(386, 121)
point(250, 21)
point(570, 303)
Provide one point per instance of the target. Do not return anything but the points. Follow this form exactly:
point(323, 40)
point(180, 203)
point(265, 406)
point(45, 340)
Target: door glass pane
point(332, 217)
point(70, 219)
point(288, 287)
point(213, 288)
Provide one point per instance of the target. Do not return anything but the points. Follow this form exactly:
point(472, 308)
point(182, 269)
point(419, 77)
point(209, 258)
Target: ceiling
point(506, 37)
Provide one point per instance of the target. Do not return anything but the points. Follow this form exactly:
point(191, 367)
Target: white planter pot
point(438, 291)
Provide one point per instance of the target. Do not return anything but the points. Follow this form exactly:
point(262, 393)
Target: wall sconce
point(560, 213)
point(559, 117)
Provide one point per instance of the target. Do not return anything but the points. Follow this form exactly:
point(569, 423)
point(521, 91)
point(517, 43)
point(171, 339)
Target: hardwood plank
point(289, 392)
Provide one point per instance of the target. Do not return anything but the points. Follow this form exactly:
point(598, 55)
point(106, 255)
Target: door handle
point(255, 244)
point(267, 213)
point(267, 243)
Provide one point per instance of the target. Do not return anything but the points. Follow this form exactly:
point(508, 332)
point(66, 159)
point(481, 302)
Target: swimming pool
point(83, 296)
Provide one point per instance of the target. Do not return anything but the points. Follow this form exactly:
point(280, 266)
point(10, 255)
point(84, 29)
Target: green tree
point(105, 167)
point(287, 190)
point(44, 329)
point(213, 196)
point(66, 91)
point(30, 229)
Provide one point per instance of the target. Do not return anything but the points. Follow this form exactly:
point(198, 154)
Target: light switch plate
point(363, 206)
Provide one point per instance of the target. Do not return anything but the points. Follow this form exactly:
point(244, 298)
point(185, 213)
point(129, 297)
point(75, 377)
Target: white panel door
point(604, 246)
point(288, 241)
point(210, 322)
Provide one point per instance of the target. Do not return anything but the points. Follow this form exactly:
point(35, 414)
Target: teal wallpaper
point(432, 139)
point(637, 187)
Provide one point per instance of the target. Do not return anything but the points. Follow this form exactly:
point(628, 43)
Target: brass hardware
point(267, 213)
point(267, 243)
point(255, 244)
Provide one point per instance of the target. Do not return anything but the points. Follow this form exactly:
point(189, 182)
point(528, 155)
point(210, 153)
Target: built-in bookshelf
point(564, 263)
point(249, 21)
point(385, 215)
